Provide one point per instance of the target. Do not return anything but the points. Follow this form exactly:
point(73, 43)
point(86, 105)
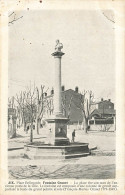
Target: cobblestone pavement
point(77, 171)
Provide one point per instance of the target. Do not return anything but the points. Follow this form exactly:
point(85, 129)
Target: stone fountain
point(57, 145)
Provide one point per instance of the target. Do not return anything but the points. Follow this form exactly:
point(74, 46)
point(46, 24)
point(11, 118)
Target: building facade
point(70, 105)
point(103, 116)
point(103, 109)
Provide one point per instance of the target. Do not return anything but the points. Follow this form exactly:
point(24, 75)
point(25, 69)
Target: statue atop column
point(58, 46)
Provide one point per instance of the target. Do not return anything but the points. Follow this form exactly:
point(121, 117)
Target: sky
point(88, 43)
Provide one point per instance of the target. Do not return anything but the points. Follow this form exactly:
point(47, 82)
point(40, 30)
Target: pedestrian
point(73, 136)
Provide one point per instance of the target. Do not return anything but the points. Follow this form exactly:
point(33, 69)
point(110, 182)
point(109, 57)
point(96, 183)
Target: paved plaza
point(99, 165)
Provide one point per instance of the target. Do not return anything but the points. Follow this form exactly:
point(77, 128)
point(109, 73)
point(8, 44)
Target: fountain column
point(57, 124)
point(57, 87)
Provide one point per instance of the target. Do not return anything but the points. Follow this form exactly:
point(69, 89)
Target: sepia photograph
point(61, 94)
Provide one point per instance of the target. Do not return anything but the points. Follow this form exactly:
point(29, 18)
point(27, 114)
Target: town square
point(61, 102)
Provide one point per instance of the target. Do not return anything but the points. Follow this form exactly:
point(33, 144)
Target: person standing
point(73, 136)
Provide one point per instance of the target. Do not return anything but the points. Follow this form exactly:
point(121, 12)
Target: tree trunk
point(38, 125)
point(31, 132)
point(19, 122)
point(25, 126)
point(85, 124)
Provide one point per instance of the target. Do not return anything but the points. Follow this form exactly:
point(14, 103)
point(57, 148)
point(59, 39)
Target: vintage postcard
point(62, 97)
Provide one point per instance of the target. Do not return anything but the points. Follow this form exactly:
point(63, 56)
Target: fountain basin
point(73, 150)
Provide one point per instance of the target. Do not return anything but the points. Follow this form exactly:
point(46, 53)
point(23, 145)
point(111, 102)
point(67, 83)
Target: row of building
point(101, 109)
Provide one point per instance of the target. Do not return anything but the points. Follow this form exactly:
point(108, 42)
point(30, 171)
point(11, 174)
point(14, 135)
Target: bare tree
point(21, 109)
point(19, 116)
point(49, 105)
point(11, 103)
point(106, 127)
point(84, 103)
point(27, 103)
point(41, 103)
point(18, 109)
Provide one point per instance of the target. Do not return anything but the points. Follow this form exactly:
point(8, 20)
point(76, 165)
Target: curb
point(10, 149)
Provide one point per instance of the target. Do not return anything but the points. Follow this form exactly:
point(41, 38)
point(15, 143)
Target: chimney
point(109, 100)
point(52, 91)
point(63, 88)
point(101, 99)
point(76, 89)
